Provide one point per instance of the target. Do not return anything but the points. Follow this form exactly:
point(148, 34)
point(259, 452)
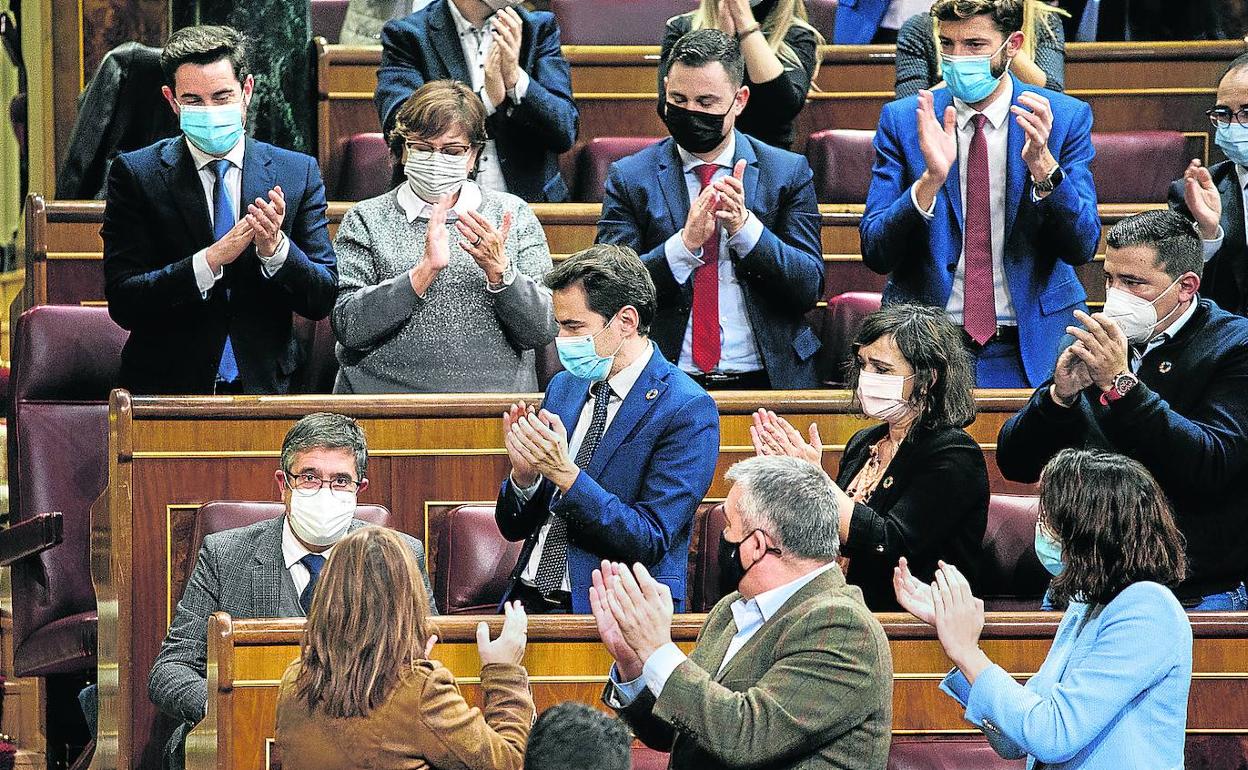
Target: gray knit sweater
point(461, 337)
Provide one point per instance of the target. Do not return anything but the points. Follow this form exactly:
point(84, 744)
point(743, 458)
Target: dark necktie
point(314, 562)
point(979, 307)
point(706, 292)
point(554, 561)
point(222, 223)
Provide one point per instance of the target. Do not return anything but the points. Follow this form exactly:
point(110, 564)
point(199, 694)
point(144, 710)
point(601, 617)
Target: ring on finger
point(477, 242)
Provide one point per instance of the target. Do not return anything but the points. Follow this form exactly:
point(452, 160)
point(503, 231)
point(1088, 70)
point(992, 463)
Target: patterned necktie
point(979, 308)
point(222, 223)
point(554, 560)
point(314, 562)
point(706, 292)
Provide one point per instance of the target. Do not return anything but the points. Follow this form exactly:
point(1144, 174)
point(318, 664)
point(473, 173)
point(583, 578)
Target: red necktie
point(706, 293)
point(979, 308)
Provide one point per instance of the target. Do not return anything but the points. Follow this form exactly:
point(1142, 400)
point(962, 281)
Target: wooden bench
point(246, 659)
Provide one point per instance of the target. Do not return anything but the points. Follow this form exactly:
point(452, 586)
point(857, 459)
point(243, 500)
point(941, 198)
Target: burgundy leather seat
point(708, 524)
point(616, 22)
point(595, 158)
point(1137, 166)
point(1010, 577)
point(822, 15)
point(220, 515)
point(947, 753)
point(327, 18)
point(364, 169)
point(841, 159)
point(317, 372)
point(646, 758)
point(469, 560)
point(837, 325)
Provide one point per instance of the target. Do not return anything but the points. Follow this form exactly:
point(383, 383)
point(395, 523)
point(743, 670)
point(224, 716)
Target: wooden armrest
point(29, 537)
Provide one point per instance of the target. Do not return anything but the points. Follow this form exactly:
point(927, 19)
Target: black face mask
point(696, 132)
point(731, 572)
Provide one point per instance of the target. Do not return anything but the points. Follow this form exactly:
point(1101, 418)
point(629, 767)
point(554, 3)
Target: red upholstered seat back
point(708, 524)
point(469, 559)
point(646, 758)
point(1010, 576)
point(837, 325)
point(1137, 166)
point(595, 158)
point(841, 159)
point(317, 372)
point(327, 18)
point(65, 362)
point(947, 753)
point(616, 22)
point(822, 15)
point(364, 171)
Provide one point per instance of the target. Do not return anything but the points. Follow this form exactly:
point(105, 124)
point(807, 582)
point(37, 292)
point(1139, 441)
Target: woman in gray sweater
point(439, 280)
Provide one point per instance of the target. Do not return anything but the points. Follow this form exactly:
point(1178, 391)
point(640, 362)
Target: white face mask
point(323, 518)
point(1137, 317)
point(434, 174)
point(880, 396)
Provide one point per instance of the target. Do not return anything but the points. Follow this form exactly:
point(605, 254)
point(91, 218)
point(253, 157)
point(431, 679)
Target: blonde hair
point(783, 17)
point(368, 623)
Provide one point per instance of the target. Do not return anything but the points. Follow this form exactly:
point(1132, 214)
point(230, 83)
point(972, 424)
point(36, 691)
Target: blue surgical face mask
point(1049, 551)
point(580, 357)
point(970, 78)
point(215, 129)
point(1233, 140)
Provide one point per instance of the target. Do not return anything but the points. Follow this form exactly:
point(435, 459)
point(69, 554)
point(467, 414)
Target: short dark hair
point(613, 277)
point(705, 46)
point(435, 108)
point(205, 45)
point(1007, 15)
point(1238, 63)
point(933, 347)
point(326, 430)
point(1113, 522)
point(1171, 234)
point(574, 736)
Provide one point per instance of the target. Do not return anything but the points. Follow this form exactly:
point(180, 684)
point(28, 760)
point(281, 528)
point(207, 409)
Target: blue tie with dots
point(314, 562)
point(222, 223)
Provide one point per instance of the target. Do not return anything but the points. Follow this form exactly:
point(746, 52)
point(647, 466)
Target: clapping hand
point(508, 648)
point(1101, 346)
point(732, 211)
point(913, 594)
point(771, 434)
point(937, 140)
point(437, 249)
point(508, 32)
point(701, 223)
point(523, 474)
point(642, 609)
point(628, 665)
point(542, 441)
point(1070, 377)
point(959, 616)
point(1203, 199)
point(724, 17)
point(265, 218)
point(1035, 116)
point(231, 245)
point(485, 244)
point(495, 86)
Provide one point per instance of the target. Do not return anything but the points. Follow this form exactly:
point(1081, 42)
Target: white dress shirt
point(748, 615)
point(292, 552)
point(1168, 334)
point(1211, 246)
point(620, 385)
point(738, 349)
point(204, 277)
point(475, 43)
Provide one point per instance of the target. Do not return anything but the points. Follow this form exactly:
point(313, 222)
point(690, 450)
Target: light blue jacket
point(1111, 694)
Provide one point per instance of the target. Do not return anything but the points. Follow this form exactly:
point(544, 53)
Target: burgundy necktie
point(706, 293)
point(979, 308)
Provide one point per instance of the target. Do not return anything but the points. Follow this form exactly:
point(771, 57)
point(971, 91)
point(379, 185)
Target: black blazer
point(1225, 280)
point(931, 505)
point(530, 135)
point(156, 218)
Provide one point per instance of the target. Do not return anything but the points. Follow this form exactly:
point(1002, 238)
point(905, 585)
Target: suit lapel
point(672, 184)
point(446, 43)
point(266, 572)
point(953, 187)
point(187, 191)
point(645, 393)
point(1016, 170)
point(745, 151)
point(258, 177)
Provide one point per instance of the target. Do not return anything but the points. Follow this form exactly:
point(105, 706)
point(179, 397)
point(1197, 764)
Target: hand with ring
point(485, 244)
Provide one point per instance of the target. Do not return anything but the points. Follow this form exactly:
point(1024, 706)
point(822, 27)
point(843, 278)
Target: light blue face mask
point(1049, 551)
point(970, 78)
point(580, 358)
point(215, 129)
point(1233, 140)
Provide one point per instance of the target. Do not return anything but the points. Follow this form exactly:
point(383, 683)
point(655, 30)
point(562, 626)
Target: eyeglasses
point(308, 484)
point(1222, 116)
point(454, 150)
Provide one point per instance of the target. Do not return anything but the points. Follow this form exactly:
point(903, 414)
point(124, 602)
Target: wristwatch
point(1051, 181)
point(1120, 387)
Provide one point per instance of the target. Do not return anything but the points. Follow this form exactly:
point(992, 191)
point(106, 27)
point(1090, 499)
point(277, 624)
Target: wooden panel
point(565, 662)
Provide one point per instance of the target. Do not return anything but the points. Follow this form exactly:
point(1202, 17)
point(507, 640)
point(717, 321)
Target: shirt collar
point(689, 161)
point(1242, 173)
point(293, 551)
point(626, 378)
point(234, 156)
point(996, 111)
point(1172, 331)
point(770, 602)
point(415, 207)
point(462, 25)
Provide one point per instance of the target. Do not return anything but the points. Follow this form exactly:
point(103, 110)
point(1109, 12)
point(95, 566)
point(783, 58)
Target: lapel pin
point(1165, 367)
point(652, 394)
point(888, 481)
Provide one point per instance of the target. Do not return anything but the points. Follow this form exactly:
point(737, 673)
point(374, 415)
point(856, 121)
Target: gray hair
point(791, 500)
point(325, 430)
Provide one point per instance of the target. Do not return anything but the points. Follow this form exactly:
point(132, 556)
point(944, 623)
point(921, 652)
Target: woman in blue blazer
point(1112, 692)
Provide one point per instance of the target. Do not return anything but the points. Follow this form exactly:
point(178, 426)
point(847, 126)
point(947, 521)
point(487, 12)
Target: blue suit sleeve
point(547, 112)
point(400, 74)
point(619, 224)
point(892, 228)
point(309, 277)
point(1071, 228)
point(787, 262)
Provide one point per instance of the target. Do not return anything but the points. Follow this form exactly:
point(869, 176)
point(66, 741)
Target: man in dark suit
point(1162, 377)
point(984, 204)
point(513, 60)
point(616, 462)
point(269, 569)
point(212, 240)
point(1214, 196)
point(791, 669)
point(728, 227)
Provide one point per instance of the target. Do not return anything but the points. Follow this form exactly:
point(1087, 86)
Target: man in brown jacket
point(790, 671)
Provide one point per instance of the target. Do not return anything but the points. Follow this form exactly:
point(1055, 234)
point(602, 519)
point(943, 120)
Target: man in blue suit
point(512, 58)
point(212, 239)
point(987, 214)
point(859, 22)
point(615, 463)
point(728, 227)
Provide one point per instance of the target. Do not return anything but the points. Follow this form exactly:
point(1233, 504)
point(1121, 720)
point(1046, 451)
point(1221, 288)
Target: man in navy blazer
point(614, 464)
point(514, 61)
point(213, 239)
point(987, 222)
point(736, 256)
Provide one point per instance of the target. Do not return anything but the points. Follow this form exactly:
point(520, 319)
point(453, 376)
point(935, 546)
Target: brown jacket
point(812, 689)
point(425, 723)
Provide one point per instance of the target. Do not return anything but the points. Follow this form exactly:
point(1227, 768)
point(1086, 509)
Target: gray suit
point(239, 571)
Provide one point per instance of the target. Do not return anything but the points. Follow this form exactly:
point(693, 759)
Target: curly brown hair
point(1113, 522)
